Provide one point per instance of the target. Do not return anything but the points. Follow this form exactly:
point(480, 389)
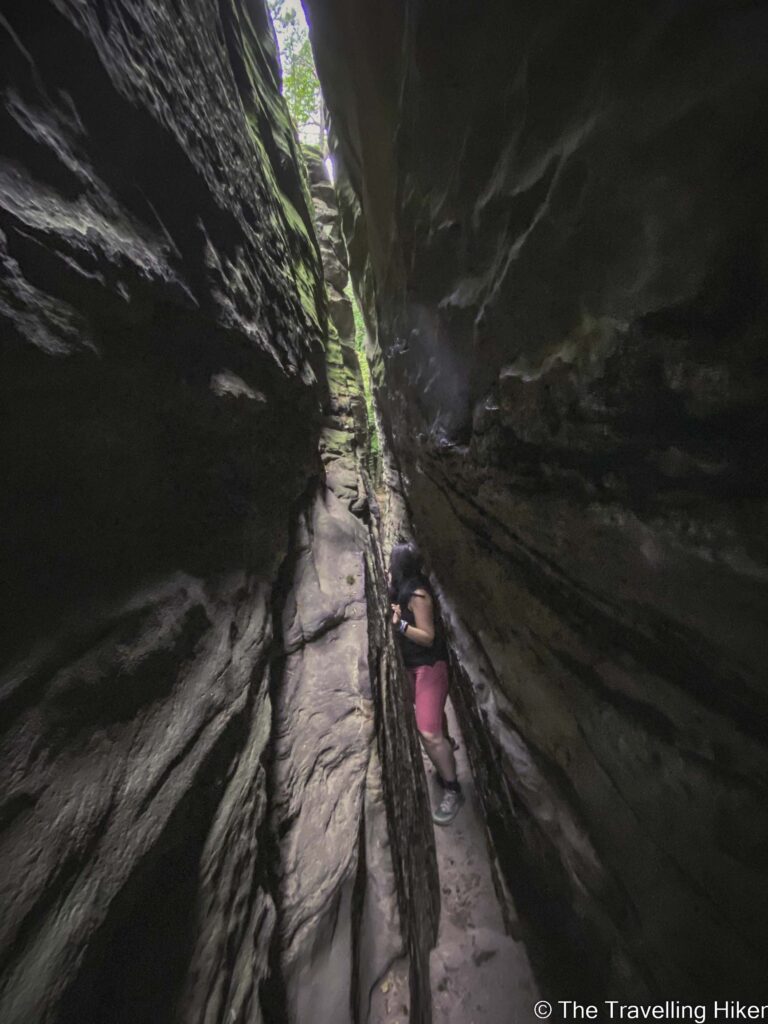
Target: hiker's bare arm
point(424, 631)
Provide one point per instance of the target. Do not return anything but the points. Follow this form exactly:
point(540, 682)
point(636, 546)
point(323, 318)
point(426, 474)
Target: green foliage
point(301, 88)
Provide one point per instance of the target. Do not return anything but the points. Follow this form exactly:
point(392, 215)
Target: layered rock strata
point(324, 773)
point(162, 322)
point(357, 880)
point(345, 438)
point(192, 816)
point(557, 222)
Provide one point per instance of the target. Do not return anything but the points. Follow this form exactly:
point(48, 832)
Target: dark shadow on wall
point(120, 463)
point(136, 964)
point(567, 953)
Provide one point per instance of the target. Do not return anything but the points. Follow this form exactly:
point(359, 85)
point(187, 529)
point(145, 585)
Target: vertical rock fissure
point(481, 908)
point(567, 361)
point(356, 995)
point(407, 802)
point(395, 796)
point(211, 789)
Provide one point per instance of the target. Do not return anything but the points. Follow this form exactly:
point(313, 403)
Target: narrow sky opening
point(301, 87)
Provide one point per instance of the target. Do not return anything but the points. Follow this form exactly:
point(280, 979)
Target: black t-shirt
point(417, 654)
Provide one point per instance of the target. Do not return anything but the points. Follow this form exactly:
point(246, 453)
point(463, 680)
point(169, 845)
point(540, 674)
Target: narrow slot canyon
point(494, 281)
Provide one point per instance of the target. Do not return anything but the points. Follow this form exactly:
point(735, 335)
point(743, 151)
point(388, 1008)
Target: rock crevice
point(193, 821)
point(558, 257)
point(212, 806)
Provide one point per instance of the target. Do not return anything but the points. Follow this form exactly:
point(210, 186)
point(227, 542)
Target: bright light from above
point(288, 7)
point(300, 86)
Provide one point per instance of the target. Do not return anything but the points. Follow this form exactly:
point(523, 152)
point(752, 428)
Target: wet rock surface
point(561, 242)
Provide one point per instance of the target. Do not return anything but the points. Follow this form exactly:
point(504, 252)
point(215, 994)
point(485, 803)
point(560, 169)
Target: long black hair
point(406, 569)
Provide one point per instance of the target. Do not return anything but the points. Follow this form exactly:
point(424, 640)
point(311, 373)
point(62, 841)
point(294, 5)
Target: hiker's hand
point(396, 614)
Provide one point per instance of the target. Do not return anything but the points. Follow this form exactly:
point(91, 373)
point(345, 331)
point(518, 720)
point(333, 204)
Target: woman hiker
point(426, 659)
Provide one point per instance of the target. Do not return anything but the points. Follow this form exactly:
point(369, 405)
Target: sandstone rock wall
point(563, 242)
point(347, 775)
point(192, 824)
point(345, 441)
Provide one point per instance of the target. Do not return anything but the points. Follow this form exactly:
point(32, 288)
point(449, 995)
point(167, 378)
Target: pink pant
point(430, 688)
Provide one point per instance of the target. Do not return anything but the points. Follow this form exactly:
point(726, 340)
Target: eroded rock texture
point(556, 215)
point(162, 319)
point(357, 880)
point(344, 441)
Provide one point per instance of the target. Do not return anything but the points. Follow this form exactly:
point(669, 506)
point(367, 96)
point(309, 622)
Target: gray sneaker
point(448, 807)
